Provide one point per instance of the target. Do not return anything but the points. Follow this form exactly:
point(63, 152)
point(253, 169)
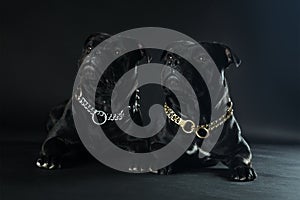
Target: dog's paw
point(243, 173)
point(164, 171)
point(48, 162)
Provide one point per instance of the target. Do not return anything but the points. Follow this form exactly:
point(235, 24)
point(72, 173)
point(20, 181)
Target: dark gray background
point(40, 45)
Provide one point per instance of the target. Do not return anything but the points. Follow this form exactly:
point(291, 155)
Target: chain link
point(197, 128)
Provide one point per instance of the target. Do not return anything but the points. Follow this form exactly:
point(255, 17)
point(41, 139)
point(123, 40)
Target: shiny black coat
point(231, 149)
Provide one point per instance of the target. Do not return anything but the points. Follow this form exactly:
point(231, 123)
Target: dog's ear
point(90, 43)
point(231, 56)
point(221, 54)
point(95, 38)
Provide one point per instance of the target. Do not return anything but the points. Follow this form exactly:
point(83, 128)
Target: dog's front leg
point(61, 133)
point(234, 152)
point(240, 163)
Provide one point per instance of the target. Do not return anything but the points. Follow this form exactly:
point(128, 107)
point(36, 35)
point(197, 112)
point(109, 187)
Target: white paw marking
point(153, 171)
point(52, 166)
point(38, 164)
point(193, 150)
point(205, 153)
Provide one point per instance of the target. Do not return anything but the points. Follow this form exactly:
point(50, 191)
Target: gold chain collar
point(206, 128)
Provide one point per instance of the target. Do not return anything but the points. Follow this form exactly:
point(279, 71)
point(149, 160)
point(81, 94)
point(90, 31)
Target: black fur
point(231, 149)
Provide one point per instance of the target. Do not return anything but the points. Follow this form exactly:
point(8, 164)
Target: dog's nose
point(89, 72)
point(173, 62)
point(172, 82)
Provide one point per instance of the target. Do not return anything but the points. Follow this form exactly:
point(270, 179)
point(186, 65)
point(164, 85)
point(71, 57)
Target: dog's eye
point(202, 58)
point(117, 51)
point(89, 49)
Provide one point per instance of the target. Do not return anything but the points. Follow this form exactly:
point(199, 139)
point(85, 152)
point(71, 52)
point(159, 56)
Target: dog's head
point(215, 52)
point(221, 54)
point(94, 64)
point(205, 57)
point(113, 48)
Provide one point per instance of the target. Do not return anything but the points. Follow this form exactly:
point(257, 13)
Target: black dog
point(231, 148)
point(62, 136)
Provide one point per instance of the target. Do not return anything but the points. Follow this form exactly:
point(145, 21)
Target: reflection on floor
point(278, 169)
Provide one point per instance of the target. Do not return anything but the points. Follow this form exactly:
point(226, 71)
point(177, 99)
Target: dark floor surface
point(278, 169)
